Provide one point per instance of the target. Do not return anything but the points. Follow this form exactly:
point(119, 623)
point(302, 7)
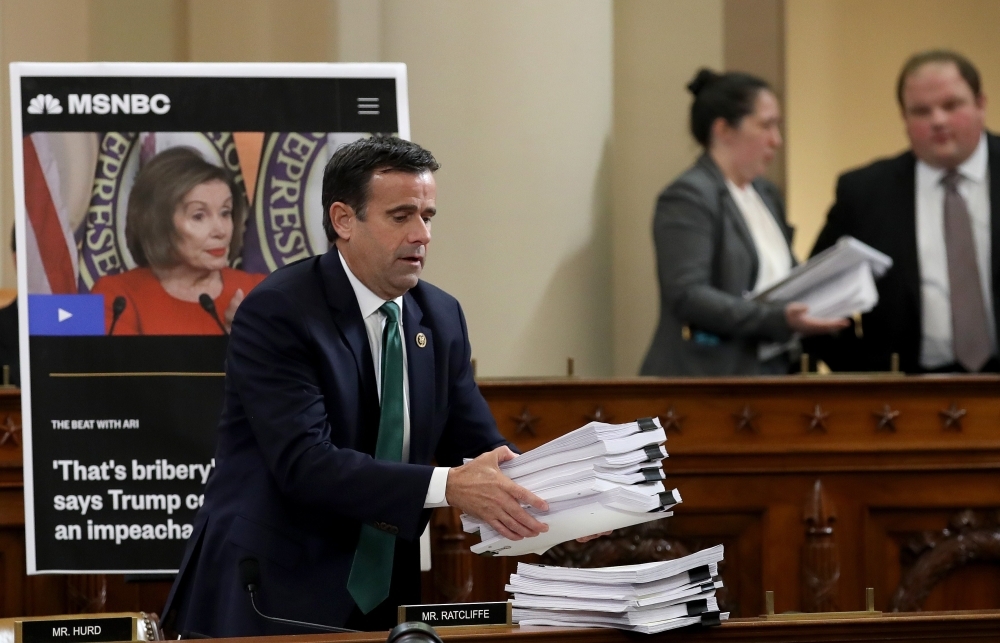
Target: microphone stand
point(286, 621)
point(209, 306)
point(117, 308)
point(249, 569)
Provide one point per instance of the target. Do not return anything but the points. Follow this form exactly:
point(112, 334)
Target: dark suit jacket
point(295, 477)
point(706, 260)
point(877, 204)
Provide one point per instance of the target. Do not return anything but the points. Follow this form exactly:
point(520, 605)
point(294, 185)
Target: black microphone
point(413, 632)
point(117, 308)
point(209, 306)
point(250, 579)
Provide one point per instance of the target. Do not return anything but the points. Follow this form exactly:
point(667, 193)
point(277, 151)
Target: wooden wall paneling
point(926, 476)
point(457, 574)
point(741, 533)
point(126, 594)
point(86, 593)
point(850, 491)
point(915, 442)
point(451, 575)
point(820, 566)
point(11, 571)
point(936, 560)
point(899, 531)
point(780, 404)
point(496, 572)
point(43, 595)
point(783, 539)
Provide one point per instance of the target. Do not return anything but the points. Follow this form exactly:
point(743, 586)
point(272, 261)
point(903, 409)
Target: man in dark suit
point(935, 210)
point(346, 377)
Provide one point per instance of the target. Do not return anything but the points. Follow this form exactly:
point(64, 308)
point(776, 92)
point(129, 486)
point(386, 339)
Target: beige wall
point(261, 30)
point(842, 60)
point(754, 42)
point(658, 47)
point(514, 98)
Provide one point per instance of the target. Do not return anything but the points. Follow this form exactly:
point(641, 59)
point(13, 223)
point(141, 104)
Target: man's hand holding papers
point(597, 478)
point(480, 489)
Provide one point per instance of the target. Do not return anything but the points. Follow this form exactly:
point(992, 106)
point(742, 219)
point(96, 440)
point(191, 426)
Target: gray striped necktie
point(969, 323)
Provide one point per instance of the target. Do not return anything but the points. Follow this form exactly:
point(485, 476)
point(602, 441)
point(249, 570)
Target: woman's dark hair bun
point(729, 96)
point(703, 78)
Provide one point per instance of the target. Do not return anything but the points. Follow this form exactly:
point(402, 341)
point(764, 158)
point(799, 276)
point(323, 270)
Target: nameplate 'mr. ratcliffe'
point(454, 614)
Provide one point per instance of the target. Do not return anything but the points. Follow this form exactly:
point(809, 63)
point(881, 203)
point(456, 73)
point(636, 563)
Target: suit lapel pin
point(421, 340)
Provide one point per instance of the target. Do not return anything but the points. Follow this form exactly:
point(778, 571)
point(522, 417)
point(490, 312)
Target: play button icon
point(66, 315)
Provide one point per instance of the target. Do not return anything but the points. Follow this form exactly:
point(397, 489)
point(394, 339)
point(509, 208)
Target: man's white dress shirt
point(936, 347)
point(370, 303)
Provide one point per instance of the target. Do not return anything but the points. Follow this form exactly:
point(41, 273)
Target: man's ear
point(342, 217)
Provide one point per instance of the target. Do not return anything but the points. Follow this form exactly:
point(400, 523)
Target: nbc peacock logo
point(44, 104)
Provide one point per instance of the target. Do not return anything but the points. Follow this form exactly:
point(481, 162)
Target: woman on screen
point(720, 232)
point(182, 212)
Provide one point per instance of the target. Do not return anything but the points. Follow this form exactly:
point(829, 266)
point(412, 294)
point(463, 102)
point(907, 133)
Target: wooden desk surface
point(927, 627)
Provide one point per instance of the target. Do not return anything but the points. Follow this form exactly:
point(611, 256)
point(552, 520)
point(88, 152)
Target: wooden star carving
point(744, 419)
point(886, 418)
point(599, 415)
point(10, 431)
point(817, 419)
point(951, 417)
point(525, 422)
point(671, 420)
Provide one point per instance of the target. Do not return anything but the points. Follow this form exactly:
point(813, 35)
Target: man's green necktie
point(371, 572)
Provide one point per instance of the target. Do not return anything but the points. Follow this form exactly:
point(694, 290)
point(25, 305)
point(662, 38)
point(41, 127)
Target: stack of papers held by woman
point(597, 478)
point(651, 597)
point(837, 282)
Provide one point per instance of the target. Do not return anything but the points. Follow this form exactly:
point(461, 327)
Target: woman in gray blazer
point(720, 232)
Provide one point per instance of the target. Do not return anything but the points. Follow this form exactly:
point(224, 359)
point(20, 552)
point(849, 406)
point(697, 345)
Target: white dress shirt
point(936, 347)
point(370, 303)
point(774, 259)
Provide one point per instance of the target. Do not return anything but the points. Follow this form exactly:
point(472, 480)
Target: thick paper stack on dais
point(648, 598)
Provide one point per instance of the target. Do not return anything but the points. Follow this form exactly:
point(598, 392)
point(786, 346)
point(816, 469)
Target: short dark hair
point(965, 67)
point(159, 187)
point(730, 96)
point(349, 171)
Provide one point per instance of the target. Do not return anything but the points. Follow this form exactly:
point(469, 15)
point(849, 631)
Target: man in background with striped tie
point(935, 210)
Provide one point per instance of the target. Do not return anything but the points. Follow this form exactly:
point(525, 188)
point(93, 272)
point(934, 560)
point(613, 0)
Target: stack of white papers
point(597, 478)
point(648, 598)
point(836, 283)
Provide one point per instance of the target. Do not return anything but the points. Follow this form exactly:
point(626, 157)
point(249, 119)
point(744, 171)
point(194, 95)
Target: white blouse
point(773, 254)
